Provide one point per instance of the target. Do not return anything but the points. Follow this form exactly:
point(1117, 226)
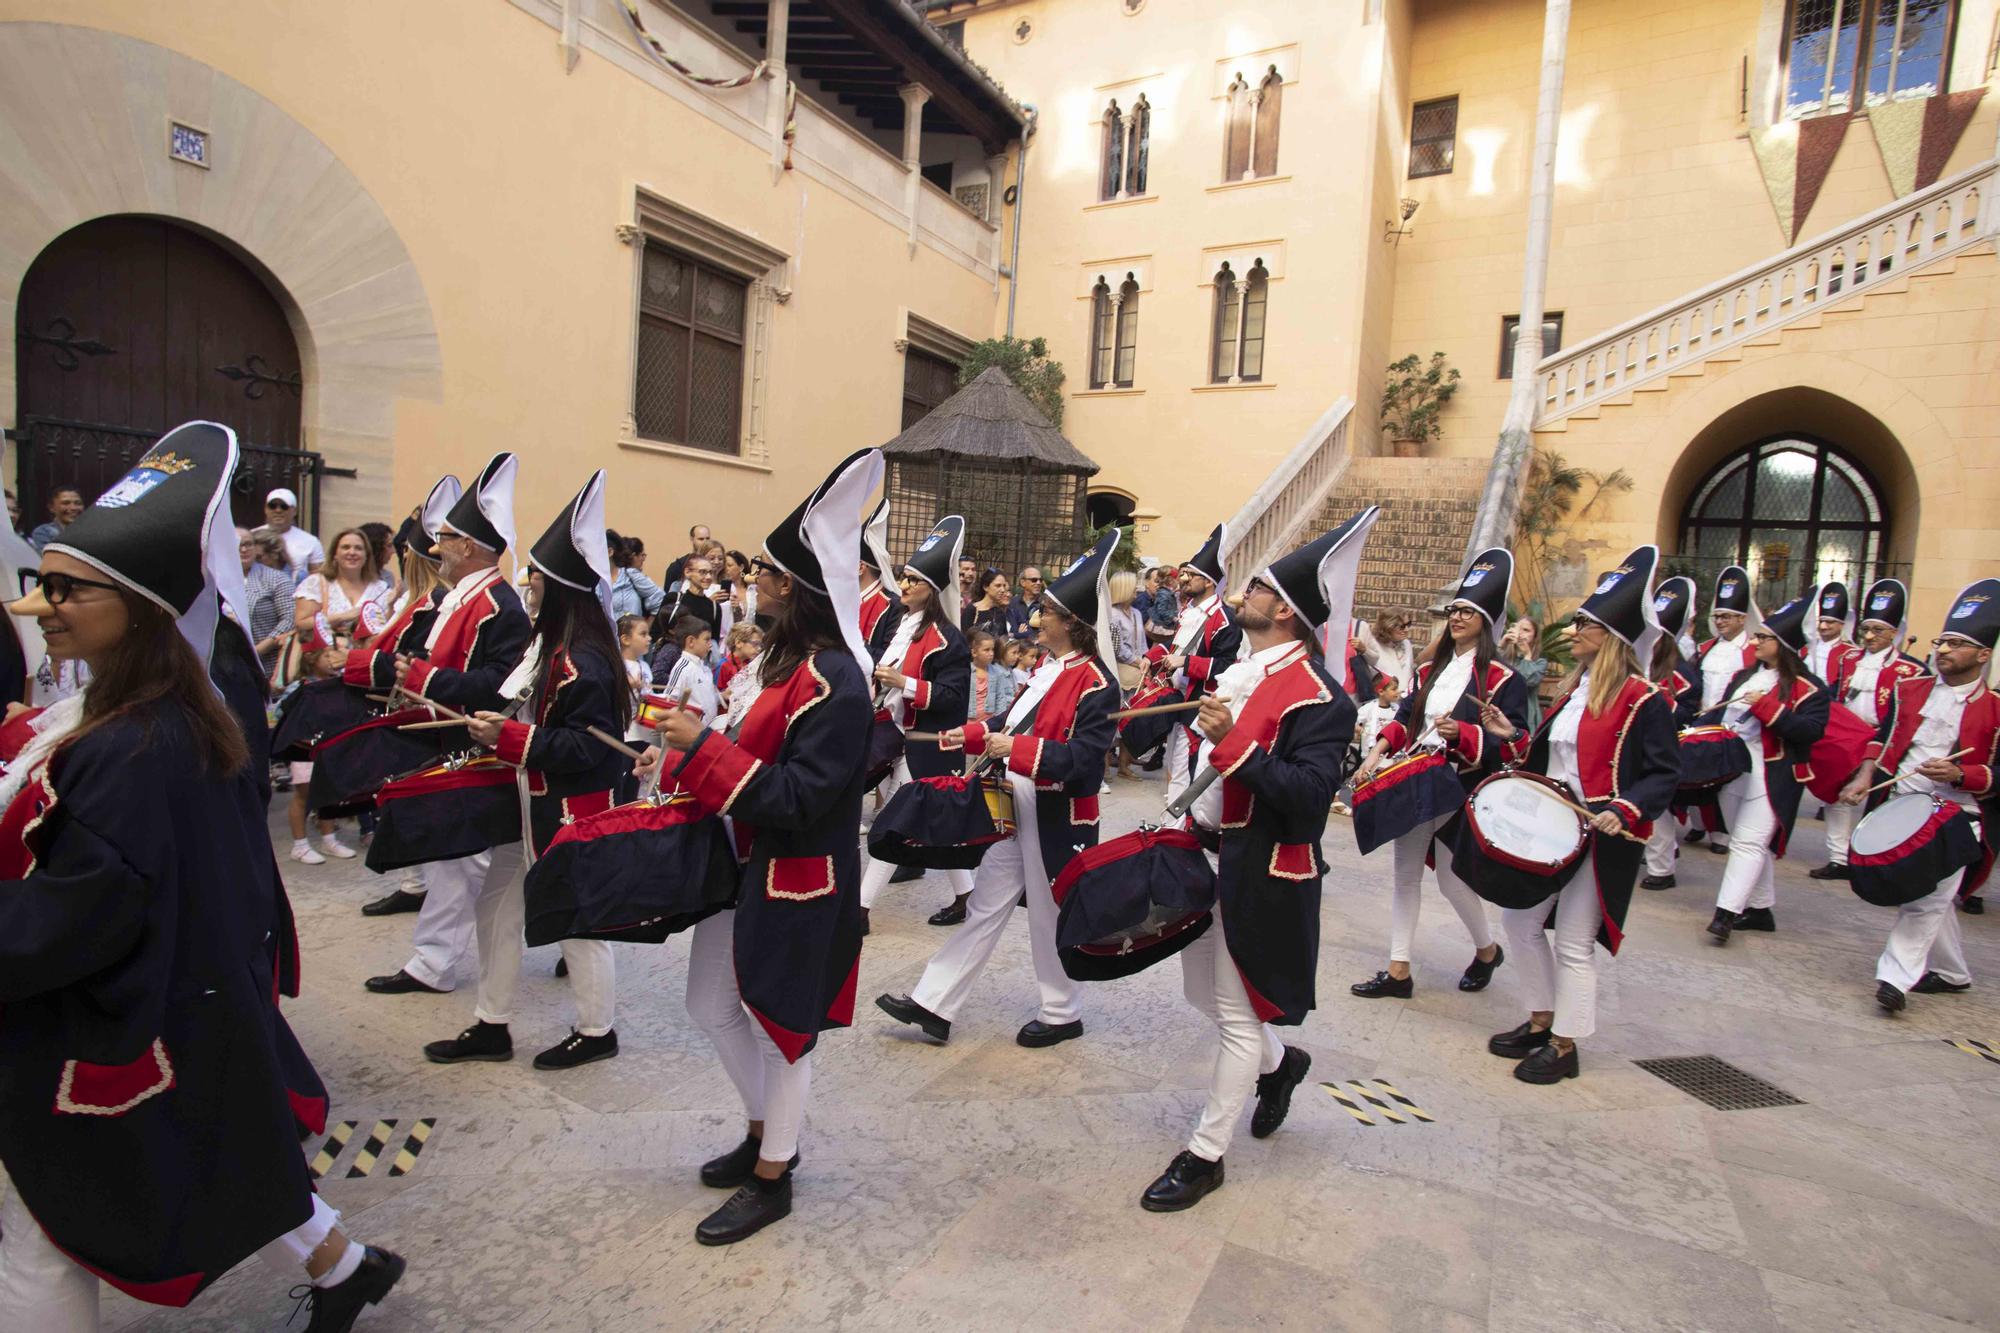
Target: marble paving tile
point(1801, 1306)
point(1251, 1290)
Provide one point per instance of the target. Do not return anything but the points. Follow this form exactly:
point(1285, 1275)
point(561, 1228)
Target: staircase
point(1428, 506)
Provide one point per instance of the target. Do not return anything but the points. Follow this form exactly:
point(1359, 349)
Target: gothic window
point(1250, 141)
point(1127, 357)
point(1795, 512)
point(1139, 136)
point(1114, 333)
point(1888, 50)
point(1102, 335)
point(1264, 143)
point(1236, 138)
point(689, 383)
point(1114, 152)
point(1238, 343)
point(1222, 363)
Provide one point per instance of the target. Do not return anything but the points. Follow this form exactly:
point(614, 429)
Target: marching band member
point(1674, 607)
point(1053, 746)
point(1459, 674)
point(1832, 647)
point(1277, 729)
point(1718, 658)
point(1206, 642)
point(876, 600)
point(1612, 741)
point(1866, 682)
point(923, 677)
point(474, 644)
point(1929, 720)
point(574, 679)
point(1779, 709)
point(151, 1093)
point(768, 976)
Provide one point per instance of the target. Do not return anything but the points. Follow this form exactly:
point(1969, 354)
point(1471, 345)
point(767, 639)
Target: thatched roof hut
point(989, 454)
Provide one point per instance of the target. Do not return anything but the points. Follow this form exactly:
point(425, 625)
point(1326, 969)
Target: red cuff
point(1229, 753)
point(1872, 752)
point(512, 747)
point(1394, 736)
point(359, 668)
point(1627, 812)
point(1766, 709)
point(975, 738)
point(1516, 750)
point(1026, 756)
point(1471, 743)
point(920, 694)
point(717, 772)
point(1156, 653)
point(1975, 779)
point(1197, 668)
point(420, 671)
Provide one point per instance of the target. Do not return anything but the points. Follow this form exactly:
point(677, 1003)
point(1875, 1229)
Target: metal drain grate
point(1717, 1082)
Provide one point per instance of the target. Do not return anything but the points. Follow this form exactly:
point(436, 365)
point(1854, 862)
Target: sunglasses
point(766, 567)
point(57, 588)
point(276, 504)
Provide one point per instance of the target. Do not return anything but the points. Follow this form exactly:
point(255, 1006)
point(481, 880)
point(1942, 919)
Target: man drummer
point(1864, 680)
point(1053, 747)
point(1834, 647)
point(1277, 730)
point(1719, 658)
point(1206, 643)
point(1941, 737)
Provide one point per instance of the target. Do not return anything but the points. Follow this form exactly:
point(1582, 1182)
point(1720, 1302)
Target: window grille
point(1433, 136)
point(1878, 50)
point(689, 381)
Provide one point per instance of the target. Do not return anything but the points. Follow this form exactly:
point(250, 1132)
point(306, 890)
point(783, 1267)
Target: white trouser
point(1840, 822)
point(44, 1290)
point(1249, 1047)
point(1178, 776)
point(1012, 866)
point(500, 913)
point(875, 874)
point(1663, 849)
point(1748, 876)
point(773, 1089)
point(1924, 939)
point(445, 923)
point(1563, 979)
point(1406, 857)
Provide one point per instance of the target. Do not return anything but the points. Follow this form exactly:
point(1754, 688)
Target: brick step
point(1428, 505)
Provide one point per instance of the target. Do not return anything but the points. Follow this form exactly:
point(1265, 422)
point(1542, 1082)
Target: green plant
point(1026, 361)
point(1127, 554)
point(1414, 396)
point(1549, 507)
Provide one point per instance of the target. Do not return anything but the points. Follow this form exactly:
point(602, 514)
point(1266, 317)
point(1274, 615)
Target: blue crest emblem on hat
point(1729, 587)
point(1661, 602)
point(1612, 579)
point(1475, 576)
point(148, 473)
point(1828, 602)
point(930, 541)
point(1965, 609)
point(1881, 602)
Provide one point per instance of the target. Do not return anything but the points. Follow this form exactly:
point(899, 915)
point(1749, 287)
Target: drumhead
point(1527, 820)
point(1891, 824)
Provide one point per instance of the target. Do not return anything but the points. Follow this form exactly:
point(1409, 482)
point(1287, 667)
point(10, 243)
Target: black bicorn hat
point(1835, 604)
point(1207, 562)
point(1974, 614)
point(1485, 585)
point(820, 543)
point(1317, 580)
point(420, 530)
point(1622, 601)
point(1796, 623)
point(1083, 590)
point(1674, 604)
point(1732, 592)
point(935, 561)
point(573, 550)
point(485, 513)
point(1889, 602)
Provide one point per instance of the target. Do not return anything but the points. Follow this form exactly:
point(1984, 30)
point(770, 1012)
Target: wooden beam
point(925, 65)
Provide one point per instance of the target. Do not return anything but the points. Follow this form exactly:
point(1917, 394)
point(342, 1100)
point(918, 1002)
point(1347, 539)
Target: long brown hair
point(804, 625)
point(371, 568)
point(154, 665)
point(1442, 650)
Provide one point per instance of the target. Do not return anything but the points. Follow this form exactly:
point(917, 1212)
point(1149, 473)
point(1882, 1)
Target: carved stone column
point(914, 96)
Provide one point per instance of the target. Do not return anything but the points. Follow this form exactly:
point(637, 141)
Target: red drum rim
point(1545, 869)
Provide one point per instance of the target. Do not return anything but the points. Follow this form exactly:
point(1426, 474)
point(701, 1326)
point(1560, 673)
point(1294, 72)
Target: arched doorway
point(128, 326)
point(1795, 511)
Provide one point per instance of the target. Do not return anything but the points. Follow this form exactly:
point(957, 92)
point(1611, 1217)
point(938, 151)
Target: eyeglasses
point(1761, 637)
point(766, 567)
point(1941, 644)
point(1258, 585)
point(58, 587)
point(1461, 613)
point(1581, 623)
point(276, 504)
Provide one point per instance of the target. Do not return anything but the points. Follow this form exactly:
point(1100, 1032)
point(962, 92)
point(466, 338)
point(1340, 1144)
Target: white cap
point(283, 493)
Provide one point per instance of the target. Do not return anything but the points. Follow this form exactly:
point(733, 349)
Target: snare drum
point(1711, 758)
point(1405, 795)
point(942, 823)
point(635, 873)
point(1907, 846)
point(1130, 902)
point(444, 813)
point(999, 805)
point(1520, 841)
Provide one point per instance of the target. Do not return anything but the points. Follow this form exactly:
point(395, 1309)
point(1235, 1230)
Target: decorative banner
point(1794, 157)
point(1945, 119)
point(1916, 137)
point(652, 47)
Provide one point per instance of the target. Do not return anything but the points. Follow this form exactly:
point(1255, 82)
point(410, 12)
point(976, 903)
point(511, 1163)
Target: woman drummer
point(767, 977)
point(1779, 709)
point(151, 1094)
point(1459, 674)
point(1611, 740)
point(574, 678)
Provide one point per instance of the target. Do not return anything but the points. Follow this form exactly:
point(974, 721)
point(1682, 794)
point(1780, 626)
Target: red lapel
point(1291, 684)
point(460, 634)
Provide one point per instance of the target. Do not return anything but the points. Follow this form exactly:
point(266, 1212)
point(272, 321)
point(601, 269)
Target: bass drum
point(1131, 902)
point(1520, 841)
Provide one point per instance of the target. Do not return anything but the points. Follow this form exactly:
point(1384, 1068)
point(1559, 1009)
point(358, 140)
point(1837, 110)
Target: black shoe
point(400, 983)
point(864, 923)
point(1658, 882)
point(748, 1211)
point(398, 900)
point(577, 1049)
point(1719, 848)
point(1756, 918)
point(1382, 985)
point(1972, 906)
point(1829, 871)
point(1274, 1092)
point(1694, 835)
point(481, 1041)
point(736, 1166)
point(951, 914)
point(562, 967)
point(1721, 924)
point(335, 1308)
point(906, 1010)
point(1889, 997)
point(906, 874)
point(1547, 1065)
point(1187, 1180)
point(1518, 1043)
point(1477, 974)
point(1930, 983)
point(1035, 1032)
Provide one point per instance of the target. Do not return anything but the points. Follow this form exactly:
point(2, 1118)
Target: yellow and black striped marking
point(335, 1144)
point(1376, 1097)
point(371, 1151)
point(1986, 1050)
point(406, 1156)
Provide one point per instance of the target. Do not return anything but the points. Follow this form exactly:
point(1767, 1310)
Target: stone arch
point(273, 192)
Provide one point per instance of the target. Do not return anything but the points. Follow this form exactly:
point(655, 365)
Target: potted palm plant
point(1413, 400)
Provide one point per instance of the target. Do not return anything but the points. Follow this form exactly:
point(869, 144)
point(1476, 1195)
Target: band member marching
point(1941, 737)
point(575, 680)
point(1719, 658)
point(923, 677)
point(1053, 749)
point(1612, 741)
point(767, 977)
point(474, 644)
point(1780, 710)
point(1277, 730)
point(1458, 675)
point(1832, 642)
point(1207, 641)
point(1674, 608)
point(1866, 681)
point(876, 597)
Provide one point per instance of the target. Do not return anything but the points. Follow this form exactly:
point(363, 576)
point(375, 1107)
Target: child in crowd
point(745, 642)
point(743, 683)
point(1369, 720)
point(1019, 659)
point(690, 674)
point(992, 684)
point(318, 666)
point(635, 638)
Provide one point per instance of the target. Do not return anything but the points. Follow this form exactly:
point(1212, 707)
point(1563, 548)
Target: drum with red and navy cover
point(1978, 731)
point(571, 773)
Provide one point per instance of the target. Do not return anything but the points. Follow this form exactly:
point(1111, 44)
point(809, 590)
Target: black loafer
point(1973, 906)
point(1382, 986)
point(393, 902)
point(1548, 1065)
point(400, 983)
point(562, 967)
point(1756, 918)
point(1719, 848)
point(907, 874)
point(335, 1308)
point(1035, 1032)
point(748, 1211)
point(864, 923)
point(1658, 882)
point(736, 1166)
point(1930, 983)
point(1518, 1043)
point(577, 1049)
point(1274, 1092)
point(1478, 974)
point(1889, 997)
point(1721, 924)
point(1187, 1180)
point(1830, 871)
point(906, 1010)
point(1694, 835)
point(481, 1041)
point(951, 914)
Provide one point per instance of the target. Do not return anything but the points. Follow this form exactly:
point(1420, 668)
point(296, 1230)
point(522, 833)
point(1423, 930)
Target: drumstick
point(1895, 778)
point(432, 725)
point(614, 742)
point(1589, 813)
point(431, 704)
point(1156, 708)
